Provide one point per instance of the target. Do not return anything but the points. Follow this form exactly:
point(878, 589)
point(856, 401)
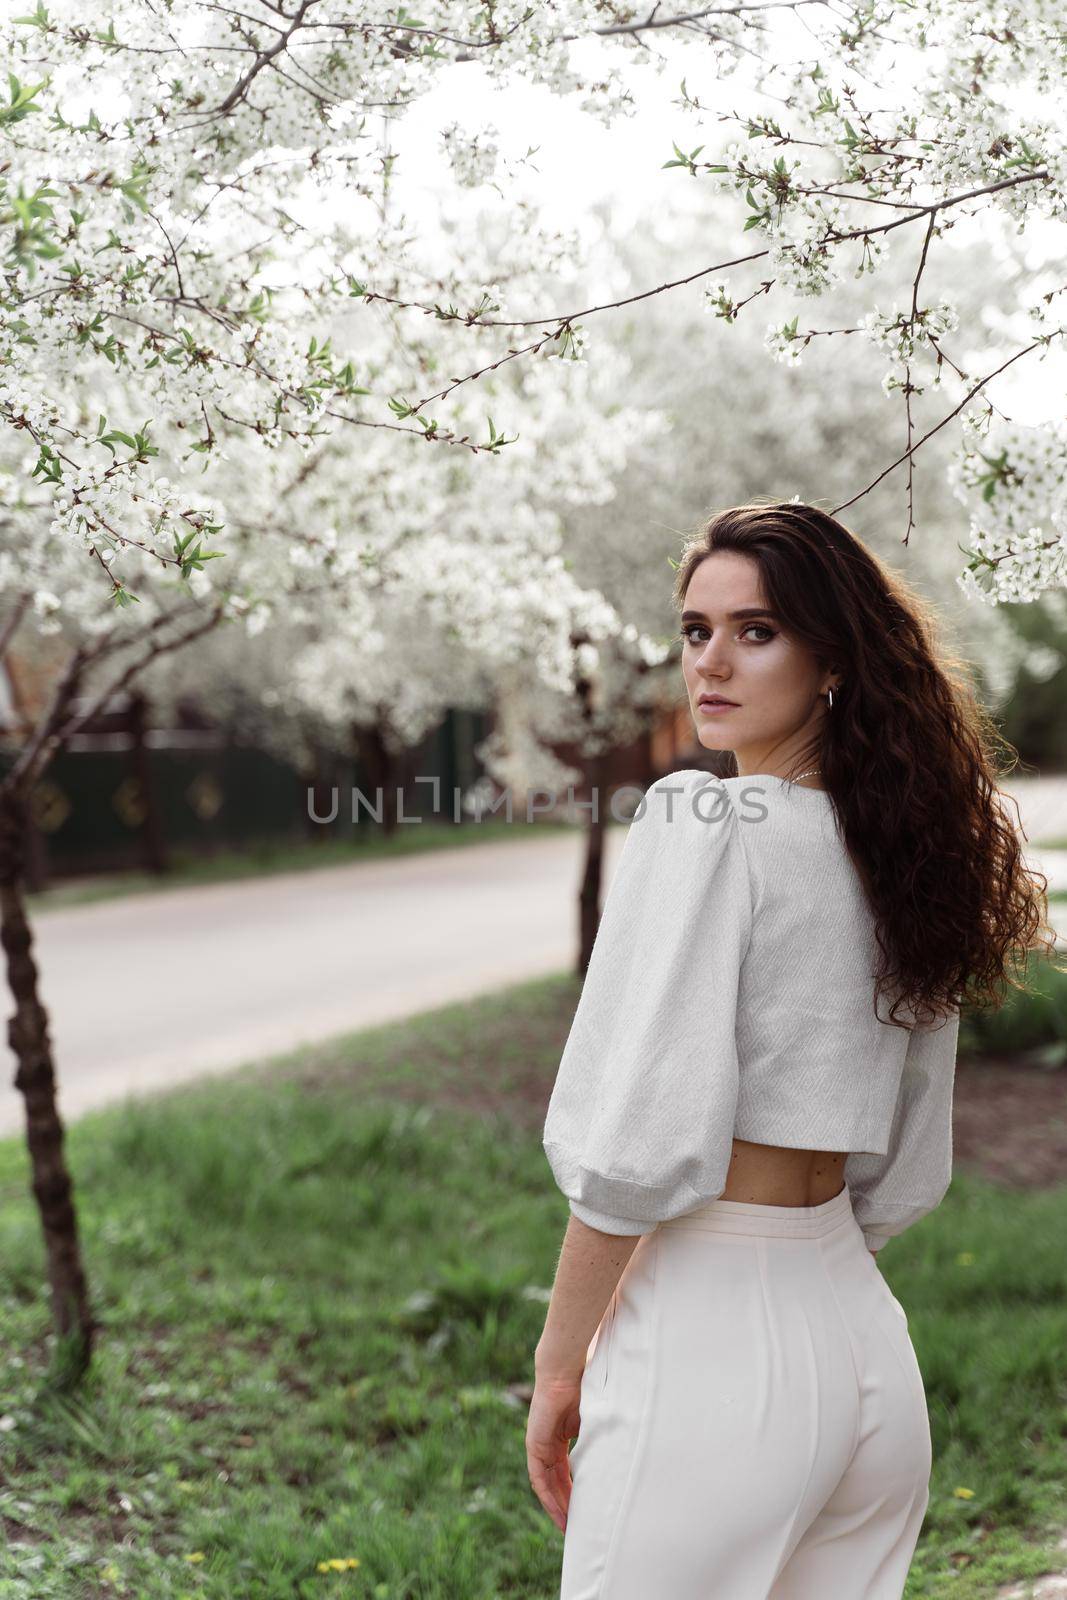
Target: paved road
point(1043, 813)
point(1042, 806)
point(154, 989)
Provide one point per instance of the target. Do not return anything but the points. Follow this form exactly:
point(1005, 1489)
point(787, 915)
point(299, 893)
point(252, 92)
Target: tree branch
point(1037, 344)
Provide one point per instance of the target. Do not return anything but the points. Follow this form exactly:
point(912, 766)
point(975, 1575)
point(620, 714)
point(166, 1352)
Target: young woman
point(756, 1091)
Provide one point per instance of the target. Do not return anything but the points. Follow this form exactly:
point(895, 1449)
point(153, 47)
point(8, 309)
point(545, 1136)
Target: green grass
point(286, 855)
point(1031, 1026)
point(321, 1283)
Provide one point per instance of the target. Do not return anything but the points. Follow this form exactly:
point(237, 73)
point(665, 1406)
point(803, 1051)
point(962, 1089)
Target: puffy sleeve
point(640, 1123)
point(890, 1192)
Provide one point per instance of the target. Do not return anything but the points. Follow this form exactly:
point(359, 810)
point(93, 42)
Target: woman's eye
point(693, 628)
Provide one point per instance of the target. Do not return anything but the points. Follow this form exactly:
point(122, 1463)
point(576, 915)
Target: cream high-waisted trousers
point(753, 1418)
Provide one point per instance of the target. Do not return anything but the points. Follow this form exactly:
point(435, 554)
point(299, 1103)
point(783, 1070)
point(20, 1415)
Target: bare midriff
point(774, 1175)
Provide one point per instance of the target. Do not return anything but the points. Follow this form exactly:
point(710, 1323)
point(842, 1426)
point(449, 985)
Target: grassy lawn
point(287, 855)
point(320, 1283)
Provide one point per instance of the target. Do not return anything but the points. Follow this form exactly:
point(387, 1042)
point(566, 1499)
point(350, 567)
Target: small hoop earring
point(829, 699)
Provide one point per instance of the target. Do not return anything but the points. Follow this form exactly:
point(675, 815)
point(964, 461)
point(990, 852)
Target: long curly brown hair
point(911, 759)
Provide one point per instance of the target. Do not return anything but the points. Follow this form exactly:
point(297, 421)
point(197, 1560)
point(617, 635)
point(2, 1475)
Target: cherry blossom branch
point(565, 322)
point(430, 432)
point(262, 60)
point(568, 318)
point(1037, 344)
point(907, 378)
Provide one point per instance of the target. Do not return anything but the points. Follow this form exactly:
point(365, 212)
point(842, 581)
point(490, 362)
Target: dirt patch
point(1010, 1123)
point(498, 1057)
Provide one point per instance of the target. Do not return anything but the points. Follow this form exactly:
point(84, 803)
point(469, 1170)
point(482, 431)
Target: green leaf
point(40, 18)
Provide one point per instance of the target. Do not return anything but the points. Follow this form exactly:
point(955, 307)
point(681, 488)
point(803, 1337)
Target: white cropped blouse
point(730, 993)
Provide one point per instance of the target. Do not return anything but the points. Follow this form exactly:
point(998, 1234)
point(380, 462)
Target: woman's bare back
point(774, 1175)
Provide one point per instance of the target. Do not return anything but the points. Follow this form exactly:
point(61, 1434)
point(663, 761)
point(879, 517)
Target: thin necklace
point(810, 774)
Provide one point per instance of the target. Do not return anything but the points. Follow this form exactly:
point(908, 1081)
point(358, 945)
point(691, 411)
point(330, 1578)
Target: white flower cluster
point(22, 403)
point(175, 257)
point(717, 299)
point(900, 335)
point(907, 342)
point(340, 114)
point(586, 658)
point(105, 509)
point(314, 551)
point(979, 144)
point(46, 604)
point(1015, 489)
point(473, 156)
point(784, 343)
point(806, 265)
point(1043, 661)
point(609, 98)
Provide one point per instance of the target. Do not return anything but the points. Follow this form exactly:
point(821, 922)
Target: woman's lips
point(713, 707)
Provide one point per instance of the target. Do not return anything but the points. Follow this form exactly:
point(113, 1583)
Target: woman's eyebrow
point(732, 616)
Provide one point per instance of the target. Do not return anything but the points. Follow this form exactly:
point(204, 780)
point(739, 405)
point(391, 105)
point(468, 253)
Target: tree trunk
point(35, 859)
point(320, 777)
point(35, 868)
point(153, 847)
point(589, 894)
point(27, 1034)
point(382, 773)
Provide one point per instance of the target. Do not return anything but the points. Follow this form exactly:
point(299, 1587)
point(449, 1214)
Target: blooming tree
point(334, 558)
point(160, 207)
point(413, 585)
point(732, 429)
point(809, 429)
point(204, 293)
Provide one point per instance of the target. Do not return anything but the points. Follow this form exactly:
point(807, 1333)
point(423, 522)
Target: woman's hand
point(590, 1266)
point(554, 1420)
